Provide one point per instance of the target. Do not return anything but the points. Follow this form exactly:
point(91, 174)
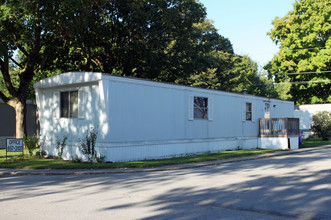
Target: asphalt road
point(296, 186)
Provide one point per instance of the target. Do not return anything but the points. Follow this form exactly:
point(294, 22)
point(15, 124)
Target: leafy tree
point(304, 59)
point(217, 67)
point(148, 39)
point(211, 52)
point(140, 38)
point(35, 30)
point(14, 80)
point(281, 89)
point(241, 75)
point(233, 73)
point(162, 40)
point(260, 85)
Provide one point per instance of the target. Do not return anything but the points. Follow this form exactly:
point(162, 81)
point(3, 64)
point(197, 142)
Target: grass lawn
point(41, 163)
point(15, 160)
point(306, 144)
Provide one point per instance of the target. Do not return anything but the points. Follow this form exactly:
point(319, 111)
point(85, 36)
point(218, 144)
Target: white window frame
point(203, 109)
point(57, 103)
point(81, 103)
point(208, 109)
point(70, 92)
point(267, 110)
point(249, 111)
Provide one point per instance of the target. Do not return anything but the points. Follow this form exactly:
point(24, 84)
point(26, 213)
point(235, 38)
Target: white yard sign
point(14, 145)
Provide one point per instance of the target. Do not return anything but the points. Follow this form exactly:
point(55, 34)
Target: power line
point(305, 82)
point(311, 48)
point(326, 71)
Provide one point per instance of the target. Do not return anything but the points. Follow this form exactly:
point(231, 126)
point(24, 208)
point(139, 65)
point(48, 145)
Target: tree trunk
point(20, 110)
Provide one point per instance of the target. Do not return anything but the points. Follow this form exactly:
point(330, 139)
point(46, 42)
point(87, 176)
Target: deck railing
point(279, 127)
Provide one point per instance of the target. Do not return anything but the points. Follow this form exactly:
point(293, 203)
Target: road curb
point(21, 172)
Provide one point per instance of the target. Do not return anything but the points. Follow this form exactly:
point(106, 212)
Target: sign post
point(14, 145)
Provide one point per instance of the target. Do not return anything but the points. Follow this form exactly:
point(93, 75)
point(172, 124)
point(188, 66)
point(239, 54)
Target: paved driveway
point(295, 186)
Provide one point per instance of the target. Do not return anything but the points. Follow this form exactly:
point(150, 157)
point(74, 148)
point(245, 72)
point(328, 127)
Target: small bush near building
point(31, 143)
point(60, 146)
point(41, 153)
point(99, 158)
point(321, 125)
point(76, 159)
point(87, 145)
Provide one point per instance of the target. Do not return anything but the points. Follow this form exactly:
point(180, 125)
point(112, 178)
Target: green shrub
point(99, 158)
point(31, 143)
point(87, 145)
point(41, 153)
point(76, 159)
point(321, 125)
point(60, 146)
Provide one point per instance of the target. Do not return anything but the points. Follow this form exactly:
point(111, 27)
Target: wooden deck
point(279, 127)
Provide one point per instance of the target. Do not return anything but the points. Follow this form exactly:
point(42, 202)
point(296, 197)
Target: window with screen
point(69, 104)
point(248, 111)
point(200, 108)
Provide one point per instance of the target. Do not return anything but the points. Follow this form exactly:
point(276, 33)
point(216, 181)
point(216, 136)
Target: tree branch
point(44, 60)
point(29, 70)
point(4, 98)
point(22, 49)
point(42, 65)
point(14, 61)
point(6, 77)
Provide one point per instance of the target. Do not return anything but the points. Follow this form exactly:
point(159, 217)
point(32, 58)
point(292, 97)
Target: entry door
point(267, 110)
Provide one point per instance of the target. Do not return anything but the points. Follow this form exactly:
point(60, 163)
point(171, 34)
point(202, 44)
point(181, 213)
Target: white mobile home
point(140, 119)
point(305, 113)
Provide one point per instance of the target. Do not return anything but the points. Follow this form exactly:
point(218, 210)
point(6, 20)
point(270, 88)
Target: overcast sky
point(246, 23)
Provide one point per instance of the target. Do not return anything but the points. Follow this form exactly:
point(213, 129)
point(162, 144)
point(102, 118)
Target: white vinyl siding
point(81, 103)
point(191, 108)
point(56, 104)
point(253, 113)
point(210, 109)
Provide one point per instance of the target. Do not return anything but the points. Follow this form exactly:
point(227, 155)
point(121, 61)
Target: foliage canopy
point(35, 30)
point(304, 59)
point(161, 40)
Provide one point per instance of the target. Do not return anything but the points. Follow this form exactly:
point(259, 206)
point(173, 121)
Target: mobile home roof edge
point(68, 79)
point(88, 77)
point(148, 82)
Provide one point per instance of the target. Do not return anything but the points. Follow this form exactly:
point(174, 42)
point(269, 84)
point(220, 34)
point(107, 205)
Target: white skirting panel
point(133, 151)
point(118, 152)
point(279, 143)
point(158, 151)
